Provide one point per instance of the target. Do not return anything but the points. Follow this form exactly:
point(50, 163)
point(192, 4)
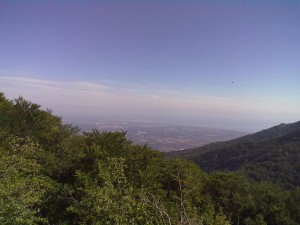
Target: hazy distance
point(223, 64)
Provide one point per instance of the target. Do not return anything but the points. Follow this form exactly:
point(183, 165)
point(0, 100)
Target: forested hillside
point(52, 174)
point(264, 135)
point(269, 155)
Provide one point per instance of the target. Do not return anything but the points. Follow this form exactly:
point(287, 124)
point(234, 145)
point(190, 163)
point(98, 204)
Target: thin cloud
point(91, 93)
point(83, 93)
point(64, 85)
point(75, 97)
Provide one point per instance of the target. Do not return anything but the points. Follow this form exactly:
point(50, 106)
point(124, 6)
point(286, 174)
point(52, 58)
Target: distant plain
point(164, 137)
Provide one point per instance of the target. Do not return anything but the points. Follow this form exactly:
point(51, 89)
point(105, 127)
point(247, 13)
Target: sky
point(226, 64)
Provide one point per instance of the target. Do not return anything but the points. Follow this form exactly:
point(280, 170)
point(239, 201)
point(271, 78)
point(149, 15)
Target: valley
point(163, 137)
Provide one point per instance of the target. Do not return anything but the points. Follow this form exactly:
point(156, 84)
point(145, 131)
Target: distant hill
point(269, 155)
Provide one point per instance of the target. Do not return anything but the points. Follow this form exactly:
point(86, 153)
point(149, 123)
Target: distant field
point(163, 137)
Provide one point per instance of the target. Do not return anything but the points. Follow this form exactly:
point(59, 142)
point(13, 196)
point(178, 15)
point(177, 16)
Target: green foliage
point(249, 203)
point(6, 108)
point(293, 204)
point(259, 156)
point(51, 174)
point(108, 198)
point(270, 202)
point(22, 185)
point(230, 194)
point(257, 220)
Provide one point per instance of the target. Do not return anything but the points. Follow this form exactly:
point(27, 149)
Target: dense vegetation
point(269, 155)
point(51, 174)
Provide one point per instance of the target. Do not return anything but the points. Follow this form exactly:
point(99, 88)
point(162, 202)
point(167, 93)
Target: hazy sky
point(229, 64)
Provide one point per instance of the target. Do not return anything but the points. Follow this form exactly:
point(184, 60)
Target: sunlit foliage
point(51, 174)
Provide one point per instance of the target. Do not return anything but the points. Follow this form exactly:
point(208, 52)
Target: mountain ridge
point(265, 134)
point(269, 155)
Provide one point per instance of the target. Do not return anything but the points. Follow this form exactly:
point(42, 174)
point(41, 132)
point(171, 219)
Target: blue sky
point(228, 64)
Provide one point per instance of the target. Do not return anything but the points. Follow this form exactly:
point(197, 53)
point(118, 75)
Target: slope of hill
point(52, 174)
point(268, 155)
point(267, 134)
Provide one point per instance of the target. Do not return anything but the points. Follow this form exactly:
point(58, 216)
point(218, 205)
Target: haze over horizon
point(226, 64)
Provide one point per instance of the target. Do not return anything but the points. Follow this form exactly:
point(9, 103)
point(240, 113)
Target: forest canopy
point(50, 173)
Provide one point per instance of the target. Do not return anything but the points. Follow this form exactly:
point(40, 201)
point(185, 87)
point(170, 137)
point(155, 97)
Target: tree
point(22, 185)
